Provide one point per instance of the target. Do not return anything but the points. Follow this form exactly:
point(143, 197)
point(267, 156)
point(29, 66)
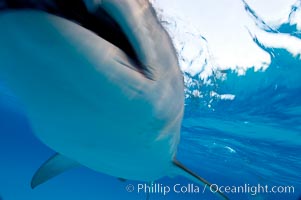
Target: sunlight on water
point(255, 132)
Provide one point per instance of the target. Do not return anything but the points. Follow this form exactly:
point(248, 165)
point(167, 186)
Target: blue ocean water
point(252, 139)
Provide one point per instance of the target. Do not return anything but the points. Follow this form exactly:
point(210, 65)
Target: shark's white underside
point(83, 101)
point(87, 100)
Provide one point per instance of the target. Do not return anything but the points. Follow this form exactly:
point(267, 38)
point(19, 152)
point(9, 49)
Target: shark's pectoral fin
point(184, 171)
point(54, 166)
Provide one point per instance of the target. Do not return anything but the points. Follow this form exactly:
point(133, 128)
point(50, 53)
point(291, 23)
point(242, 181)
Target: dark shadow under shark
point(101, 85)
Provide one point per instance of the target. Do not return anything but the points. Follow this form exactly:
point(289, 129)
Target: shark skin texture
point(113, 106)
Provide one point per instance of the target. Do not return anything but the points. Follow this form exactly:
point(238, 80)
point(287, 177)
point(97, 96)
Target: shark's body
point(110, 109)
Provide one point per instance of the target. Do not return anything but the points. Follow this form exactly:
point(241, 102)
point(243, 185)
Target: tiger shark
point(100, 83)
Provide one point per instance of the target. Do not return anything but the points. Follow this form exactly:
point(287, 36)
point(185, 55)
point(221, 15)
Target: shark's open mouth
point(99, 22)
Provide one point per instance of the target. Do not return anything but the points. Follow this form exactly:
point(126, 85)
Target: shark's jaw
point(99, 21)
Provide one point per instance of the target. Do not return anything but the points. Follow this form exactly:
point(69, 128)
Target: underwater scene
point(241, 130)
